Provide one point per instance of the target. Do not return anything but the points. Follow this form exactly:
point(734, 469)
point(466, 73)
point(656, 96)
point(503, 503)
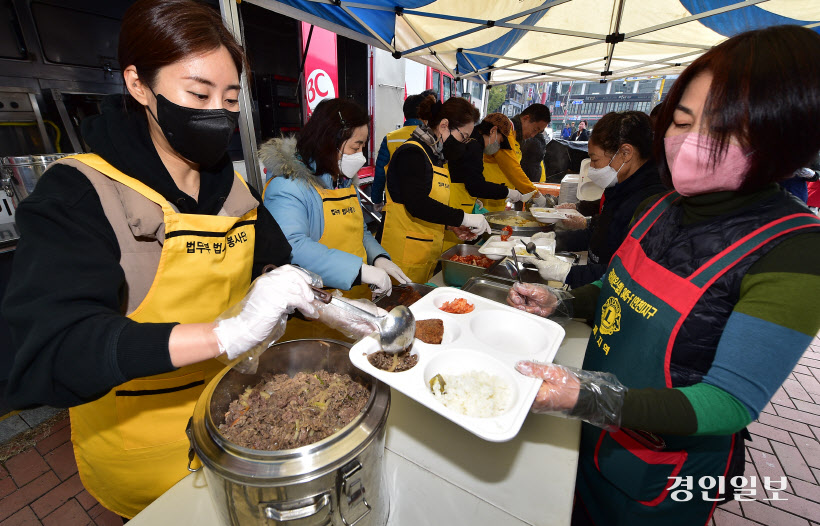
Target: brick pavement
point(40, 486)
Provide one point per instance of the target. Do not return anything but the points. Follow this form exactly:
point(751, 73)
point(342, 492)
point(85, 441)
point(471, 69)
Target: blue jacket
point(380, 177)
point(292, 199)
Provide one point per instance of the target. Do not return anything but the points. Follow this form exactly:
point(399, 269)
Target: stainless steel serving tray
point(456, 274)
point(488, 288)
point(525, 231)
point(389, 300)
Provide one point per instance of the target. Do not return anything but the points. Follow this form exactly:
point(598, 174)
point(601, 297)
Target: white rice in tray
point(475, 393)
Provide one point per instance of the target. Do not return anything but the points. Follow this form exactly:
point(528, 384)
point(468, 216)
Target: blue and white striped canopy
point(504, 41)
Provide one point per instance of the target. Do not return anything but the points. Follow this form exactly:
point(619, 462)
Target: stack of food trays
point(476, 358)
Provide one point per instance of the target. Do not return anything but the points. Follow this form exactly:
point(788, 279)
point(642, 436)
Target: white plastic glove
point(264, 309)
point(346, 322)
point(514, 196)
point(477, 223)
point(528, 196)
point(377, 277)
point(392, 269)
point(539, 200)
point(552, 268)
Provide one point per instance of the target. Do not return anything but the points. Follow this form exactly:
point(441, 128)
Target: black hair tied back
point(436, 109)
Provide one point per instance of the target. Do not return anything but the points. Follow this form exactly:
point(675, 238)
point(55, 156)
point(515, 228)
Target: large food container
point(456, 274)
point(26, 170)
point(499, 220)
point(337, 481)
point(387, 301)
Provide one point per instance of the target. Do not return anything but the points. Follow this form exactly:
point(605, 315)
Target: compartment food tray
point(491, 338)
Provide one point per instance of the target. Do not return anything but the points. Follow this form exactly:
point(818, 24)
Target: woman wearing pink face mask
point(710, 301)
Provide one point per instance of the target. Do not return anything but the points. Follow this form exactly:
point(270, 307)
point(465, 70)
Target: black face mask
point(453, 149)
point(201, 136)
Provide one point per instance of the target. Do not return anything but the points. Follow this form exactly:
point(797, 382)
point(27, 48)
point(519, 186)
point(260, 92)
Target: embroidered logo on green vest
point(611, 316)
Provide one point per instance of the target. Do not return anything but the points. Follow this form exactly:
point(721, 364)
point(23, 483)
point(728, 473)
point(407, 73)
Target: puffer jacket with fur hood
point(292, 198)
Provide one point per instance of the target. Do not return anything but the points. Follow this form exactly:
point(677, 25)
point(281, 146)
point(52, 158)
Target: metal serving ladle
point(396, 329)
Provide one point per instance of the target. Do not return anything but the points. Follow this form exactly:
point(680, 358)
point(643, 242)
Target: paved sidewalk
point(39, 484)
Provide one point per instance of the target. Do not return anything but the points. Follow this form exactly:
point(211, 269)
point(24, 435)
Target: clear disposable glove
point(378, 207)
point(392, 269)
point(463, 233)
point(346, 322)
point(533, 298)
point(574, 220)
point(377, 277)
point(476, 223)
point(539, 200)
point(591, 396)
point(514, 196)
point(259, 319)
point(552, 268)
point(566, 206)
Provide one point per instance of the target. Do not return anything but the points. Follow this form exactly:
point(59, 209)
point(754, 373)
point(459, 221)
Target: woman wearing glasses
point(418, 188)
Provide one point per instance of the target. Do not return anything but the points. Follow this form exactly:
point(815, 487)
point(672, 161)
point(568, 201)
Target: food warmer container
point(499, 220)
point(337, 481)
point(387, 301)
point(22, 173)
point(456, 274)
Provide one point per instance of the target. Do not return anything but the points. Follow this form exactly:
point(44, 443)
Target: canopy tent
point(509, 41)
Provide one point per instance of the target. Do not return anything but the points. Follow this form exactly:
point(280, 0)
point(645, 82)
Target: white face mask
point(350, 164)
point(605, 177)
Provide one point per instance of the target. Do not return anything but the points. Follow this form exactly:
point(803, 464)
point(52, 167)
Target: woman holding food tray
point(711, 299)
point(418, 189)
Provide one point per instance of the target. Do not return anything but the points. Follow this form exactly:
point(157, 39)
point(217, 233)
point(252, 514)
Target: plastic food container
point(548, 215)
point(490, 339)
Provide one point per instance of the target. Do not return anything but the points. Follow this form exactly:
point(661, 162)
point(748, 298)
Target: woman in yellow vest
point(504, 166)
point(312, 195)
point(418, 188)
point(129, 254)
point(467, 180)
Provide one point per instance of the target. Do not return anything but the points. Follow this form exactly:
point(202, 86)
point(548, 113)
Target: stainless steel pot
point(22, 173)
point(498, 220)
point(336, 481)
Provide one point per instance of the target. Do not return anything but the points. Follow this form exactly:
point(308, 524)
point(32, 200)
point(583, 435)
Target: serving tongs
point(397, 328)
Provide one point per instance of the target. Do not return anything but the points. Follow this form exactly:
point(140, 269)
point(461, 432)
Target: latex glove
point(591, 396)
point(533, 298)
point(539, 200)
point(264, 310)
point(574, 221)
point(476, 223)
point(392, 269)
point(346, 322)
point(463, 233)
point(514, 195)
point(377, 277)
point(552, 268)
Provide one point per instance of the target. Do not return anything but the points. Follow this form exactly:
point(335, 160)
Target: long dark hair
point(456, 110)
point(627, 127)
point(332, 123)
point(765, 92)
point(156, 33)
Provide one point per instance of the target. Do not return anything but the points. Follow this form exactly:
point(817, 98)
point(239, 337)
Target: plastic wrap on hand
point(592, 396)
point(541, 300)
point(346, 322)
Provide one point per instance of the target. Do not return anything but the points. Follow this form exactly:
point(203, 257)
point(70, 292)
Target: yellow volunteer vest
point(414, 244)
point(344, 228)
point(130, 444)
point(494, 174)
point(398, 137)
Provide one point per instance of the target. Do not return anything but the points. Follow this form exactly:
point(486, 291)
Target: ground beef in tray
point(284, 413)
point(401, 296)
point(430, 331)
point(393, 363)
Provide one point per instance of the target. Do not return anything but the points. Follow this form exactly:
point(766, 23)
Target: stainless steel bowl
point(498, 220)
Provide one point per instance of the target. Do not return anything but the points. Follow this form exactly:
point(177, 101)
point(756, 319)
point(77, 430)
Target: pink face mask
point(688, 158)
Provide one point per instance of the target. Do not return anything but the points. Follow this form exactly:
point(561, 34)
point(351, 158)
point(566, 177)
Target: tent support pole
point(247, 132)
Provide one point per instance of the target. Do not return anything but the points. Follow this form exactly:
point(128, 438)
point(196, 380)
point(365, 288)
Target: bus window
point(448, 88)
point(437, 83)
